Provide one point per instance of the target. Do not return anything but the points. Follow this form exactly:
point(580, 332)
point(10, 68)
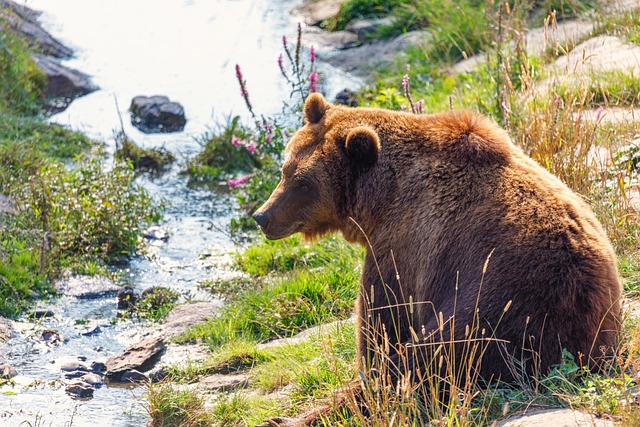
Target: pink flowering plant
point(248, 157)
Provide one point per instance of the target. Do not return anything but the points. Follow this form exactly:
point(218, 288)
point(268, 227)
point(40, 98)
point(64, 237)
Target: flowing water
point(186, 50)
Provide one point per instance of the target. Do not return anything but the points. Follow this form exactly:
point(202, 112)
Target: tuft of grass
point(170, 406)
point(151, 160)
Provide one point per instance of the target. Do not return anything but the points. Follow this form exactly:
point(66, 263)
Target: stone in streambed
point(79, 389)
point(155, 114)
point(140, 356)
point(7, 371)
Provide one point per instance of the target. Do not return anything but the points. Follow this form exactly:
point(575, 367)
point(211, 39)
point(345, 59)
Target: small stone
point(40, 313)
point(7, 371)
point(92, 331)
point(73, 374)
point(94, 380)
point(156, 233)
point(80, 389)
point(74, 366)
point(152, 114)
point(82, 358)
point(51, 336)
point(346, 97)
point(220, 382)
point(126, 298)
point(133, 376)
point(97, 367)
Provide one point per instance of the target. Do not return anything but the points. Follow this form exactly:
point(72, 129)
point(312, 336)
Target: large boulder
point(154, 114)
point(63, 83)
point(24, 21)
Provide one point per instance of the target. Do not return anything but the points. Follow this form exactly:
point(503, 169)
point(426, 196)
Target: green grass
point(169, 406)
point(153, 160)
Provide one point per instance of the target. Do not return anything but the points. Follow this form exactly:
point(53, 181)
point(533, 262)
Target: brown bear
point(467, 238)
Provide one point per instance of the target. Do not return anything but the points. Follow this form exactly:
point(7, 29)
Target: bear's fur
point(463, 232)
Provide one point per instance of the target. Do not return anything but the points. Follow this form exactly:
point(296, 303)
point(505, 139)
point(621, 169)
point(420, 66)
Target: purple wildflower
point(419, 105)
point(286, 133)
point(599, 114)
point(405, 83)
point(235, 183)
point(251, 147)
point(236, 142)
point(281, 65)
point(312, 55)
point(313, 79)
point(403, 108)
point(269, 138)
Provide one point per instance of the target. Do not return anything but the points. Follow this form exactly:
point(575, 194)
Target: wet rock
point(97, 367)
point(219, 382)
point(140, 356)
point(93, 380)
point(133, 376)
point(361, 60)
point(87, 287)
point(323, 40)
point(154, 114)
point(91, 331)
point(6, 330)
point(126, 298)
point(40, 314)
point(51, 336)
point(313, 12)
point(366, 28)
point(74, 374)
point(556, 418)
point(63, 82)
point(25, 21)
point(82, 358)
point(185, 316)
point(346, 97)
point(7, 371)
point(80, 389)
point(74, 366)
point(158, 374)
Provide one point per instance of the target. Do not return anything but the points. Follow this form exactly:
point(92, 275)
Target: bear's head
point(319, 163)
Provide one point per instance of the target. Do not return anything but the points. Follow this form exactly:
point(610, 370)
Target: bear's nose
point(261, 219)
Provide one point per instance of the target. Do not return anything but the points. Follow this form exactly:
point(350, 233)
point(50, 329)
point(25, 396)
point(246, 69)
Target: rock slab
point(555, 418)
point(63, 82)
point(155, 114)
point(140, 357)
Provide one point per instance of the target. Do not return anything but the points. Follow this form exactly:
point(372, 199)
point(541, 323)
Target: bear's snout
point(261, 219)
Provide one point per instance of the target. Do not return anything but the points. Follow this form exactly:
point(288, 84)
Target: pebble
point(7, 371)
point(80, 389)
point(74, 366)
point(133, 376)
point(39, 314)
point(97, 367)
point(93, 380)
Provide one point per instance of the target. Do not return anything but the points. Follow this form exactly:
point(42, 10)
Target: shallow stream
point(186, 50)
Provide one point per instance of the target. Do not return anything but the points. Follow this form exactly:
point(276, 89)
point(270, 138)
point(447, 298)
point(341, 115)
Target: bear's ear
point(363, 146)
point(314, 108)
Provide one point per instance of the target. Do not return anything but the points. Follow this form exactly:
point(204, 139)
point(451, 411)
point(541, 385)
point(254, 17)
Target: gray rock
point(127, 298)
point(93, 380)
point(156, 233)
point(80, 389)
point(40, 313)
point(185, 316)
point(87, 287)
point(323, 40)
point(219, 382)
point(51, 336)
point(153, 114)
point(74, 366)
point(366, 28)
point(361, 60)
point(555, 418)
point(346, 97)
point(7, 371)
point(140, 356)
point(25, 21)
point(313, 12)
point(91, 331)
point(97, 367)
point(73, 374)
point(133, 376)
point(63, 82)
